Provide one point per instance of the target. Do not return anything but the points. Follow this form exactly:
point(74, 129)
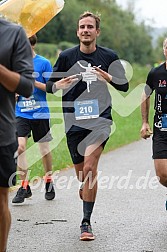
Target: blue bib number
point(87, 109)
point(28, 104)
point(164, 122)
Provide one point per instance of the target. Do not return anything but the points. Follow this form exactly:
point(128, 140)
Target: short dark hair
point(33, 39)
point(90, 14)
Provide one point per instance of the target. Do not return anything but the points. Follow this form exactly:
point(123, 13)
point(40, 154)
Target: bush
point(50, 51)
point(65, 45)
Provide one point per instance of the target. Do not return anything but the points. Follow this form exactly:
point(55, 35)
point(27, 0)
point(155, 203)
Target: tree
point(119, 29)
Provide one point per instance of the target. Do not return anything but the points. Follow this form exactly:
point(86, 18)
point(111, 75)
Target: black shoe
point(50, 192)
point(22, 194)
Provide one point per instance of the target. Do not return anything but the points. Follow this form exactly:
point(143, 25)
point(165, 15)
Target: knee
point(90, 171)
point(162, 176)
point(162, 179)
point(3, 207)
point(45, 150)
point(161, 170)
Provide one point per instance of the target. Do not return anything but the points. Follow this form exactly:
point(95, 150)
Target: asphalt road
point(129, 214)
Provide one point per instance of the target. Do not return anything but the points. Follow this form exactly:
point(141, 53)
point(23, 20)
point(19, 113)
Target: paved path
point(129, 215)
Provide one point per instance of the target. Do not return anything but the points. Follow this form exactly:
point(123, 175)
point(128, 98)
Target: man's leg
point(89, 168)
point(5, 218)
point(24, 191)
point(46, 157)
point(79, 173)
point(22, 161)
point(90, 173)
point(47, 163)
point(161, 170)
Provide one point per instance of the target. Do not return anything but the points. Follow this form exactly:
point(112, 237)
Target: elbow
point(25, 88)
point(121, 84)
point(28, 91)
point(125, 87)
point(121, 87)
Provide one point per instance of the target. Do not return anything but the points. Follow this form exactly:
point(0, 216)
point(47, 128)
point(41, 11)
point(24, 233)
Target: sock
point(87, 210)
point(24, 183)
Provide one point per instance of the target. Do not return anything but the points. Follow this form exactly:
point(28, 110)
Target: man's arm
point(40, 85)
point(120, 84)
point(19, 77)
point(145, 108)
point(9, 79)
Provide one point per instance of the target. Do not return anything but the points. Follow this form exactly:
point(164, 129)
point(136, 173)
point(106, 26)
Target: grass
point(126, 116)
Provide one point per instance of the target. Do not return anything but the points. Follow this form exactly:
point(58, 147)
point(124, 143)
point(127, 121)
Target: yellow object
point(31, 14)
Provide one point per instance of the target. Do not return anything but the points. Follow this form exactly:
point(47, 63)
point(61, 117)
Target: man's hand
point(16, 97)
point(102, 75)
point(145, 131)
point(66, 82)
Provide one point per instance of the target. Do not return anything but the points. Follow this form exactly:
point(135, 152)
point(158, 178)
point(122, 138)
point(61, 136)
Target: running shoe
point(50, 192)
point(86, 232)
point(22, 194)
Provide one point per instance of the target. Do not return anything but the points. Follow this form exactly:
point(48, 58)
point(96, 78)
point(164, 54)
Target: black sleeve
point(149, 80)
point(22, 63)
point(120, 87)
point(49, 85)
point(119, 80)
point(149, 88)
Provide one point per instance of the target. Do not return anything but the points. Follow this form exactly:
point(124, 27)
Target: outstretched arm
point(65, 82)
point(40, 85)
point(122, 85)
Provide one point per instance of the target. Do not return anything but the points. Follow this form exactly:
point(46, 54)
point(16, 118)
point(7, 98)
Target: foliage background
point(119, 29)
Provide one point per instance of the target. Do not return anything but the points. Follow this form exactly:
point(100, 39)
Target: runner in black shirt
point(157, 81)
point(87, 105)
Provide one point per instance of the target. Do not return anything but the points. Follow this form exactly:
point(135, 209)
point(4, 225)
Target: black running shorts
point(8, 164)
point(78, 141)
point(159, 144)
point(40, 129)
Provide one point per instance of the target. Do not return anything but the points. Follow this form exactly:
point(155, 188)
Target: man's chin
point(86, 43)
